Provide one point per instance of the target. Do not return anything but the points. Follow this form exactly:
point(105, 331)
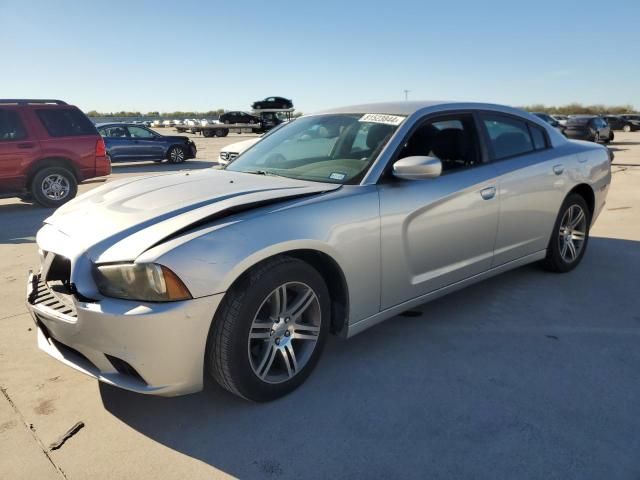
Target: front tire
point(269, 331)
point(53, 186)
point(177, 154)
point(570, 235)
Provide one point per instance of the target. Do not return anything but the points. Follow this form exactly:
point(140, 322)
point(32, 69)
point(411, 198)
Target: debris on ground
point(66, 436)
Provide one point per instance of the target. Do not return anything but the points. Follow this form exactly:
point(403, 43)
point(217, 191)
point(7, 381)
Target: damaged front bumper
point(151, 348)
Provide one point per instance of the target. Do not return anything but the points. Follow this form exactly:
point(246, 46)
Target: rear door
point(18, 148)
point(116, 138)
point(530, 185)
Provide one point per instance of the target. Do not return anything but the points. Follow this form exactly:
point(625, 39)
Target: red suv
point(46, 148)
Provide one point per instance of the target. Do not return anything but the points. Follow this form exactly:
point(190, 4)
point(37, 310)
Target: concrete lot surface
point(529, 375)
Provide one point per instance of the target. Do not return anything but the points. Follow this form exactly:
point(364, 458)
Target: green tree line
point(578, 108)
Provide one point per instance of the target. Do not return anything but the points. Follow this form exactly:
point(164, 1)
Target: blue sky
point(188, 55)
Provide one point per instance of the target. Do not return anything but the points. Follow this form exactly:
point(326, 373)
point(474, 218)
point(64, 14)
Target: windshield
point(321, 148)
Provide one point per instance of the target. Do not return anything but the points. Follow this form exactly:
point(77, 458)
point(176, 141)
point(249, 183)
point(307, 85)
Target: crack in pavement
point(33, 433)
point(14, 315)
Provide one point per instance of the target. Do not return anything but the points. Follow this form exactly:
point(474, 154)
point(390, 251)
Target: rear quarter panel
point(80, 150)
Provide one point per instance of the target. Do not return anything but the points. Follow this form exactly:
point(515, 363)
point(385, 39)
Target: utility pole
point(406, 95)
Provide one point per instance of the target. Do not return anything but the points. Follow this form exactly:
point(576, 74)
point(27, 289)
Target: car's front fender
point(345, 228)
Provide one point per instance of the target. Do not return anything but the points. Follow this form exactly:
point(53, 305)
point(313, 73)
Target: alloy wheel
point(177, 155)
point(284, 332)
point(55, 187)
point(573, 230)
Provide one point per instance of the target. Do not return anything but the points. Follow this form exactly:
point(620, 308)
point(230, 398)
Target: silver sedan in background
point(333, 223)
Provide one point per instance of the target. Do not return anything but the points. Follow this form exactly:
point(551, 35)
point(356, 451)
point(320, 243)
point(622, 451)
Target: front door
point(144, 144)
point(439, 231)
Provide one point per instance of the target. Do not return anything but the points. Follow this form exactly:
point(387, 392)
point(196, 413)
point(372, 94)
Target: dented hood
point(120, 220)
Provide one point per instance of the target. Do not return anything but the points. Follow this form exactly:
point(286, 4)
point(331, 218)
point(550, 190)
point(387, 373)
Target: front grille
point(52, 296)
point(228, 156)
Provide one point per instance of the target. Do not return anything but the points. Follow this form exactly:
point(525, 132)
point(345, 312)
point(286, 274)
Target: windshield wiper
point(260, 172)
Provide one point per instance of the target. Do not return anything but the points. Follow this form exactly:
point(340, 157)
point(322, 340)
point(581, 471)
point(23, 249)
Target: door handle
point(488, 193)
point(558, 169)
point(26, 145)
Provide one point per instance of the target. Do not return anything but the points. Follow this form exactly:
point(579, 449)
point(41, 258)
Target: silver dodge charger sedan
point(333, 223)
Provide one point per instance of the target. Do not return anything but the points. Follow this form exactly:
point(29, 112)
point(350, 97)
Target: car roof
point(411, 107)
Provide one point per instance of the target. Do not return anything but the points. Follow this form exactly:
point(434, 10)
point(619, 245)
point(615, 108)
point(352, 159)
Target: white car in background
point(229, 153)
point(156, 123)
point(561, 119)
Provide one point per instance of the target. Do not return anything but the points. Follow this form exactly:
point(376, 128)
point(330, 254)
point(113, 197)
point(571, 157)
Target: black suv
point(634, 121)
point(617, 122)
point(588, 127)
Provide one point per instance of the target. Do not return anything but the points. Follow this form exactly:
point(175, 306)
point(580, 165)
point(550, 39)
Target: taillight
point(101, 149)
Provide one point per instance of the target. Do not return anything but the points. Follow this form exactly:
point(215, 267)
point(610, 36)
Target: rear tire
point(222, 132)
point(177, 154)
point(53, 186)
point(570, 235)
point(269, 331)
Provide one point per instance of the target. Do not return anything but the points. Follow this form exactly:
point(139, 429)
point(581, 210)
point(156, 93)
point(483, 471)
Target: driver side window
point(451, 139)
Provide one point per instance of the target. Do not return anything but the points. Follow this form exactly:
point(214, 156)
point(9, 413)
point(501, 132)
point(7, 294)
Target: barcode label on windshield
point(382, 118)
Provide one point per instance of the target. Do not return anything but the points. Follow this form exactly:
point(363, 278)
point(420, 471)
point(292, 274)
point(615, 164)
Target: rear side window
point(11, 127)
point(578, 121)
point(66, 122)
point(508, 137)
point(538, 137)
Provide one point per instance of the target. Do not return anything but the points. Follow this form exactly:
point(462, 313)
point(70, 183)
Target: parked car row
point(594, 128)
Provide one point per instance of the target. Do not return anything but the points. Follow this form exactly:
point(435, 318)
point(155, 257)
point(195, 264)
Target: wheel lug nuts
point(287, 333)
point(278, 341)
point(286, 320)
point(271, 332)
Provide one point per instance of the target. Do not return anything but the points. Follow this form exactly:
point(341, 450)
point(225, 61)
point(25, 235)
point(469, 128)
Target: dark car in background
point(239, 117)
point(616, 122)
point(551, 121)
point(634, 121)
point(272, 102)
point(46, 148)
point(128, 142)
point(588, 127)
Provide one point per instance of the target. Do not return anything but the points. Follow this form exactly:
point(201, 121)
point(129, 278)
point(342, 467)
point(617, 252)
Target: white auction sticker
point(382, 118)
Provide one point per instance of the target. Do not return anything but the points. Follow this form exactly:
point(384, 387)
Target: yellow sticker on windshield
point(382, 118)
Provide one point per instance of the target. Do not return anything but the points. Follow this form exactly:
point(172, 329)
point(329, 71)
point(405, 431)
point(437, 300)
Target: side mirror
point(417, 168)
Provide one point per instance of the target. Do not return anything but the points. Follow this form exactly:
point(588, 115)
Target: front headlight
point(146, 281)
